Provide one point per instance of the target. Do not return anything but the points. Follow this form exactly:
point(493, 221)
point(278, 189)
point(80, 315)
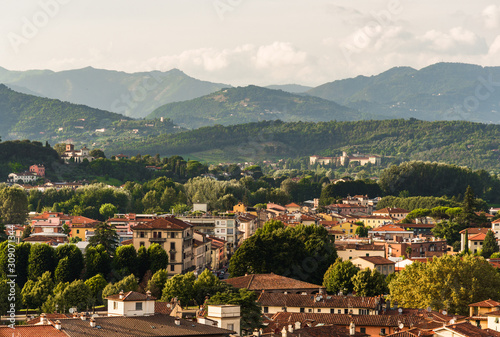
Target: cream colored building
point(227, 317)
point(131, 304)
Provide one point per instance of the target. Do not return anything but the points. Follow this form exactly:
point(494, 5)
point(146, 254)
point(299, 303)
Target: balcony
point(157, 239)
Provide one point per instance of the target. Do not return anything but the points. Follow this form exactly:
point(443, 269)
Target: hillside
point(291, 88)
point(443, 91)
point(252, 104)
point(131, 94)
point(455, 142)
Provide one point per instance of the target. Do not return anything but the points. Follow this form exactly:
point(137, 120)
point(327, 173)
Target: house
point(225, 316)
point(495, 228)
point(202, 251)
point(493, 322)
point(390, 232)
point(247, 225)
point(476, 242)
point(375, 221)
point(466, 234)
point(76, 156)
point(463, 329)
point(345, 209)
point(415, 247)
point(173, 235)
point(292, 207)
point(24, 177)
point(348, 228)
point(273, 303)
point(479, 310)
point(393, 212)
point(81, 226)
point(131, 304)
point(274, 284)
point(381, 264)
point(418, 228)
point(349, 251)
point(222, 226)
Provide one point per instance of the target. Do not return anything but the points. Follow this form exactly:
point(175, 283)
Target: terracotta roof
point(40, 238)
point(163, 308)
point(131, 296)
point(342, 246)
point(82, 220)
point(31, 330)
point(391, 210)
point(468, 330)
point(258, 282)
point(475, 230)
point(327, 301)
point(127, 242)
point(292, 205)
point(477, 237)
point(344, 320)
point(376, 260)
point(164, 223)
point(415, 332)
point(51, 317)
point(389, 228)
point(132, 326)
point(486, 304)
point(324, 331)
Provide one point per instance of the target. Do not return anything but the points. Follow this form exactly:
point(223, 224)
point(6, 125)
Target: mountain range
point(131, 94)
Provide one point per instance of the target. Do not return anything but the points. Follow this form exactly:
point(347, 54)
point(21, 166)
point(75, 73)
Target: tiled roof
point(415, 332)
point(163, 308)
point(344, 320)
point(391, 210)
point(258, 282)
point(164, 223)
point(156, 325)
point(388, 228)
point(489, 303)
point(327, 301)
point(324, 331)
point(51, 317)
point(81, 219)
point(31, 331)
point(376, 260)
point(477, 237)
point(341, 246)
point(475, 230)
point(292, 205)
point(493, 313)
point(131, 296)
point(468, 330)
point(127, 242)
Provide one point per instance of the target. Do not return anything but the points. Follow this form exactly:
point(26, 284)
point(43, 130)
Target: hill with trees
point(442, 91)
point(455, 142)
point(130, 94)
point(251, 104)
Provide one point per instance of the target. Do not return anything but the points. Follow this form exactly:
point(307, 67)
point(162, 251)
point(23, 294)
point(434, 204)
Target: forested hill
point(28, 116)
point(131, 94)
point(442, 91)
point(463, 143)
point(251, 104)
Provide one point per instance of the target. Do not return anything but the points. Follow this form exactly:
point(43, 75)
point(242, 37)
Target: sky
point(241, 42)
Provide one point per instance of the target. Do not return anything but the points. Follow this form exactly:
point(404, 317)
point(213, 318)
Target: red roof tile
point(258, 282)
point(164, 223)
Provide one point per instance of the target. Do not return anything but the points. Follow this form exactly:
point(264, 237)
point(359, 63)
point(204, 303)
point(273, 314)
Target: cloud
point(278, 54)
point(455, 40)
point(491, 16)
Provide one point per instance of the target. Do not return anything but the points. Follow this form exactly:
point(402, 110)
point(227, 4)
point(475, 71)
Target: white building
point(131, 304)
point(227, 317)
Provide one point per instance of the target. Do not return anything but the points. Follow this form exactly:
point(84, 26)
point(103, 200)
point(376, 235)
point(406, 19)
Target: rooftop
point(258, 282)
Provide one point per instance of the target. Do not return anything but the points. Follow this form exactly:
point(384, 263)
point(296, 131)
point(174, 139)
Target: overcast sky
point(242, 42)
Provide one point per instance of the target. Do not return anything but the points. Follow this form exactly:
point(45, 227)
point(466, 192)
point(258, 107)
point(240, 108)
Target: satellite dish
point(400, 310)
point(401, 326)
point(318, 299)
point(71, 310)
point(95, 315)
point(452, 321)
point(168, 305)
point(429, 309)
point(445, 312)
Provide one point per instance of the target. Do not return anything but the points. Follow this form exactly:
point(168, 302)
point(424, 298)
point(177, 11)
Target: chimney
point(177, 321)
point(297, 325)
point(148, 293)
point(352, 329)
point(58, 325)
point(43, 319)
point(83, 316)
point(290, 328)
point(120, 295)
point(92, 322)
point(284, 333)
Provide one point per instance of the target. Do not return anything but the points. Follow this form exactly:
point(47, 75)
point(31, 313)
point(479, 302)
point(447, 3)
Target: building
point(39, 170)
point(393, 212)
point(223, 227)
point(274, 284)
point(382, 265)
point(273, 303)
point(390, 232)
point(24, 177)
point(131, 304)
point(226, 317)
point(349, 251)
point(173, 235)
point(76, 156)
point(478, 312)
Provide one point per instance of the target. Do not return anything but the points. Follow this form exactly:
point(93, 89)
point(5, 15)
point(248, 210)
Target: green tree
point(13, 205)
point(126, 284)
point(96, 285)
point(41, 259)
point(74, 265)
point(158, 258)
point(447, 283)
point(338, 278)
point(36, 293)
point(125, 260)
point(251, 317)
point(105, 235)
point(181, 287)
point(207, 285)
point(26, 232)
point(490, 245)
point(63, 271)
point(108, 210)
point(77, 294)
point(143, 262)
point(97, 261)
point(157, 282)
point(369, 283)
point(362, 231)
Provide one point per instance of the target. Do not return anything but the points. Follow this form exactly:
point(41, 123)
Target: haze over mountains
point(443, 91)
point(134, 95)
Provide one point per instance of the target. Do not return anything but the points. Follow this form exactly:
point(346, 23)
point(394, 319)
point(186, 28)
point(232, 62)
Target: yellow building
point(81, 225)
point(347, 228)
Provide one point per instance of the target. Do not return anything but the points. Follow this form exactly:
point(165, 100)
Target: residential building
point(292, 207)
point(38, 169)
point(375, 221)
point(393, 212)
point(273, 303)
point(349, 251)
point(479, 310)
point(131, 304)
point(247, 225)
point(390, 232)
point(202, 250)
point(226, 317)
point(471, 232)
point(173, 235)
point(463, 329)
point(222, 226)
point(382, 265)
point(348, 228)
point(495, 228)
point(24, 177)
point(76, 156)
point(493, 322)
point(414, 248)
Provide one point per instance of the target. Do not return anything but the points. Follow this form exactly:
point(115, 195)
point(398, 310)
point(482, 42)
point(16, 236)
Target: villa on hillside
point(345, 159)
point(76, 156)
